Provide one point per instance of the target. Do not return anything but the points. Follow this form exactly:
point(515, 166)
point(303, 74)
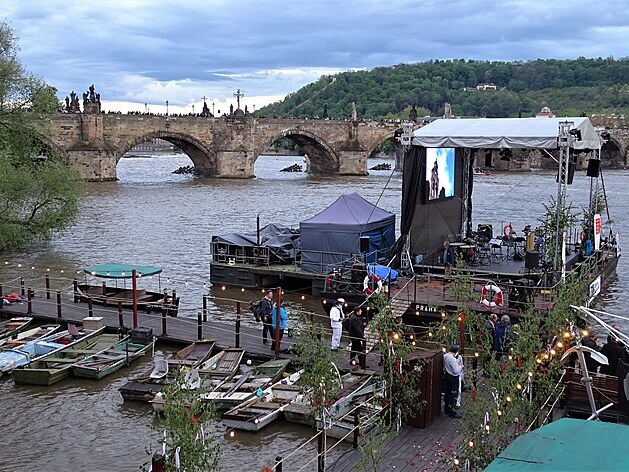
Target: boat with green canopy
point(106, 294)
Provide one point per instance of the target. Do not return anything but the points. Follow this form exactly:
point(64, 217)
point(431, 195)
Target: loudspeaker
point(364, 244)
point(594, 166)
point(531, 260)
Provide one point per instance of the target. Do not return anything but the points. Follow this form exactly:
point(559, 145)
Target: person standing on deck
point(451, 371)
point(265, 314)
point(336, 322)
point(283, 319)
point(356, 333)
point(461, 362)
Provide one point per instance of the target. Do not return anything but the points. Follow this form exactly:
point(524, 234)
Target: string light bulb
point(470, 443)
point(518, 386)
point(559, 344)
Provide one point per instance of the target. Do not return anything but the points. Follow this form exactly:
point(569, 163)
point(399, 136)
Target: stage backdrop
point(432, 198)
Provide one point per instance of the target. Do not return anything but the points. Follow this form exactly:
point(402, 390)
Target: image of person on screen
point(434, 182)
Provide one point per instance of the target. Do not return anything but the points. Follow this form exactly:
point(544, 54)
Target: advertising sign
point(597, 232)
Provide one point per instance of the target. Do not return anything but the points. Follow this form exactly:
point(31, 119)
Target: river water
point(153, 217)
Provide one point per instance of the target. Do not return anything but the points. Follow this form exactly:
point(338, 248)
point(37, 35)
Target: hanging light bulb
point(19, 264)
point(559, 344)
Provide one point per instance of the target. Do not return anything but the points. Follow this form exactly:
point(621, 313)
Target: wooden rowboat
point(263, 409)
point(244, 386)
point(23, 354)
point(32, 334)
point(12, 327)
point(111, 359)
point(57, 365)
point(145, 386)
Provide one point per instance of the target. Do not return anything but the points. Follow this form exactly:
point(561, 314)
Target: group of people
point(354, 324)
point(614, 349)
point(268, 316)
point(355, 330)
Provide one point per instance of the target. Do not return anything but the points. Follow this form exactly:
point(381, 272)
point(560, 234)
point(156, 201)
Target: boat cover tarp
point(383, 272)
point(567, 444)
point(120, 271)
point(282, 241)
point(494, 133)
point(333, 235)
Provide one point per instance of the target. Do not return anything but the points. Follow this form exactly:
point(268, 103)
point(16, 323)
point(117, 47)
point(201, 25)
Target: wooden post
point(29, 301)
point(90, 308)
point(164, 323)
point(47, 287)
point(278, 464)
point(311, 317)
point(278, 306)
point(75, 284)
point(104, 288)
point(320, 457)
point(356, 428)
point(462, 332)
point(120, 317)
point(22, 289)
point(199, 327)
point(237, 330)
point(158, 463)
point(238, 307)
point(135, 298)
point(1, 299)
point(204, 308)
point(58, 305)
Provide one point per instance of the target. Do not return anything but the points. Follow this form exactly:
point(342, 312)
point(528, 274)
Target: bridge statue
point(354, 115)
point(413, 113)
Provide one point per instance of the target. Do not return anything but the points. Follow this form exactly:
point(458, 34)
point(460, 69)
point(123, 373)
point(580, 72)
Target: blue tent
point(333, 235)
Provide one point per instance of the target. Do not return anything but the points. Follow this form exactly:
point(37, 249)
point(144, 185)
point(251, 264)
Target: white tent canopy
point(494, 133)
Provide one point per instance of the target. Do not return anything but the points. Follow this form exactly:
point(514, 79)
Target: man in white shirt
point(452, 369)
point(336, 322)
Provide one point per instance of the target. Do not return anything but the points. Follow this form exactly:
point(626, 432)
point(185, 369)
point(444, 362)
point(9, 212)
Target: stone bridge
point(225, 147)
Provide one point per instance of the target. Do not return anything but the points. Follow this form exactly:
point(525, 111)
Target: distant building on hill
point(486, 87)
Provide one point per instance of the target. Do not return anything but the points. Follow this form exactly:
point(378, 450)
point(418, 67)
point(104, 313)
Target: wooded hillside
point(568, 87)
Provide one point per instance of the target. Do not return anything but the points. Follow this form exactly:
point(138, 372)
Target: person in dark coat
point(356, 333)
point(502, 335)
point(613, 351)
point(590, 341)
point(265, 313)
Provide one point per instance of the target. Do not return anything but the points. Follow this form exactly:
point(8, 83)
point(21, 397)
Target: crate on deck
point(141, 335)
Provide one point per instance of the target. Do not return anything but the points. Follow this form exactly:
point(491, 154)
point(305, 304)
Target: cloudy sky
point(150, 51)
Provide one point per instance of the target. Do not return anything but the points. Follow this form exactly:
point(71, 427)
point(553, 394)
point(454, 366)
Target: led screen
point(439, 173)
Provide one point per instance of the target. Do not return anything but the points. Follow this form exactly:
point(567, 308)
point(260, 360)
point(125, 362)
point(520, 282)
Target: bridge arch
point(321, 157)
point(613, 153)
point(202, 157)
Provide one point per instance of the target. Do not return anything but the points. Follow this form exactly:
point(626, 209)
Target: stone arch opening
point(388, 146)
point(613, 154)
point(321, 159)
point(203, 159)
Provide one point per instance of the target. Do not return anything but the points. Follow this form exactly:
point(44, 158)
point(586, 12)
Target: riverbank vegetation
point(473, 88)
point(39, 191)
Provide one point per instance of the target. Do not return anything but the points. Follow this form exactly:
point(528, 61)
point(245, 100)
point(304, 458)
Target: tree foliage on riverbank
point(39, 191)
point(568, 87)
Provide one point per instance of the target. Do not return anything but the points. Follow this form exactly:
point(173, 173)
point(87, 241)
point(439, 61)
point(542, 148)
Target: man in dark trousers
point(356, 333)
point(613, 351)
point(451, 371)
point(265, 313)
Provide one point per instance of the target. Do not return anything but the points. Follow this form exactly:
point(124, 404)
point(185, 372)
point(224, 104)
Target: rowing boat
point(208, 375)
point(244, 386)
point(32, 334)
point(145, 386)
point(265, 407)
point(23, 354)
point(13, 326)
point(111, 359)
point(57, 365)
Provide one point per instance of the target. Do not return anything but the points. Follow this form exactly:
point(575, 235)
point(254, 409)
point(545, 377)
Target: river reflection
point(153, 217)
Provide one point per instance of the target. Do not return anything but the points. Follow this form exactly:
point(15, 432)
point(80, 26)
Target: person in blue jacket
point(283, 320)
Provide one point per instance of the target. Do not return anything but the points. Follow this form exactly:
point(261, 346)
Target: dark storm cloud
point(154, 50)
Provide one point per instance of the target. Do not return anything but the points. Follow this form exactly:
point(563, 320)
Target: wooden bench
point(604, 390)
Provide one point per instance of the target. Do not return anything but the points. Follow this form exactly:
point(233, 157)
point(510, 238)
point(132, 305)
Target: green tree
point(185, 423)
point(40, 192)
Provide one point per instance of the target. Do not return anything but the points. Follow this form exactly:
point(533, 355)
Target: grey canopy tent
point(495, 133)
point(333, 235)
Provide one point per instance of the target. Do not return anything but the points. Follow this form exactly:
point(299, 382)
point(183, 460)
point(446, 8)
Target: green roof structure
point(567, 444)
point(120, 271)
